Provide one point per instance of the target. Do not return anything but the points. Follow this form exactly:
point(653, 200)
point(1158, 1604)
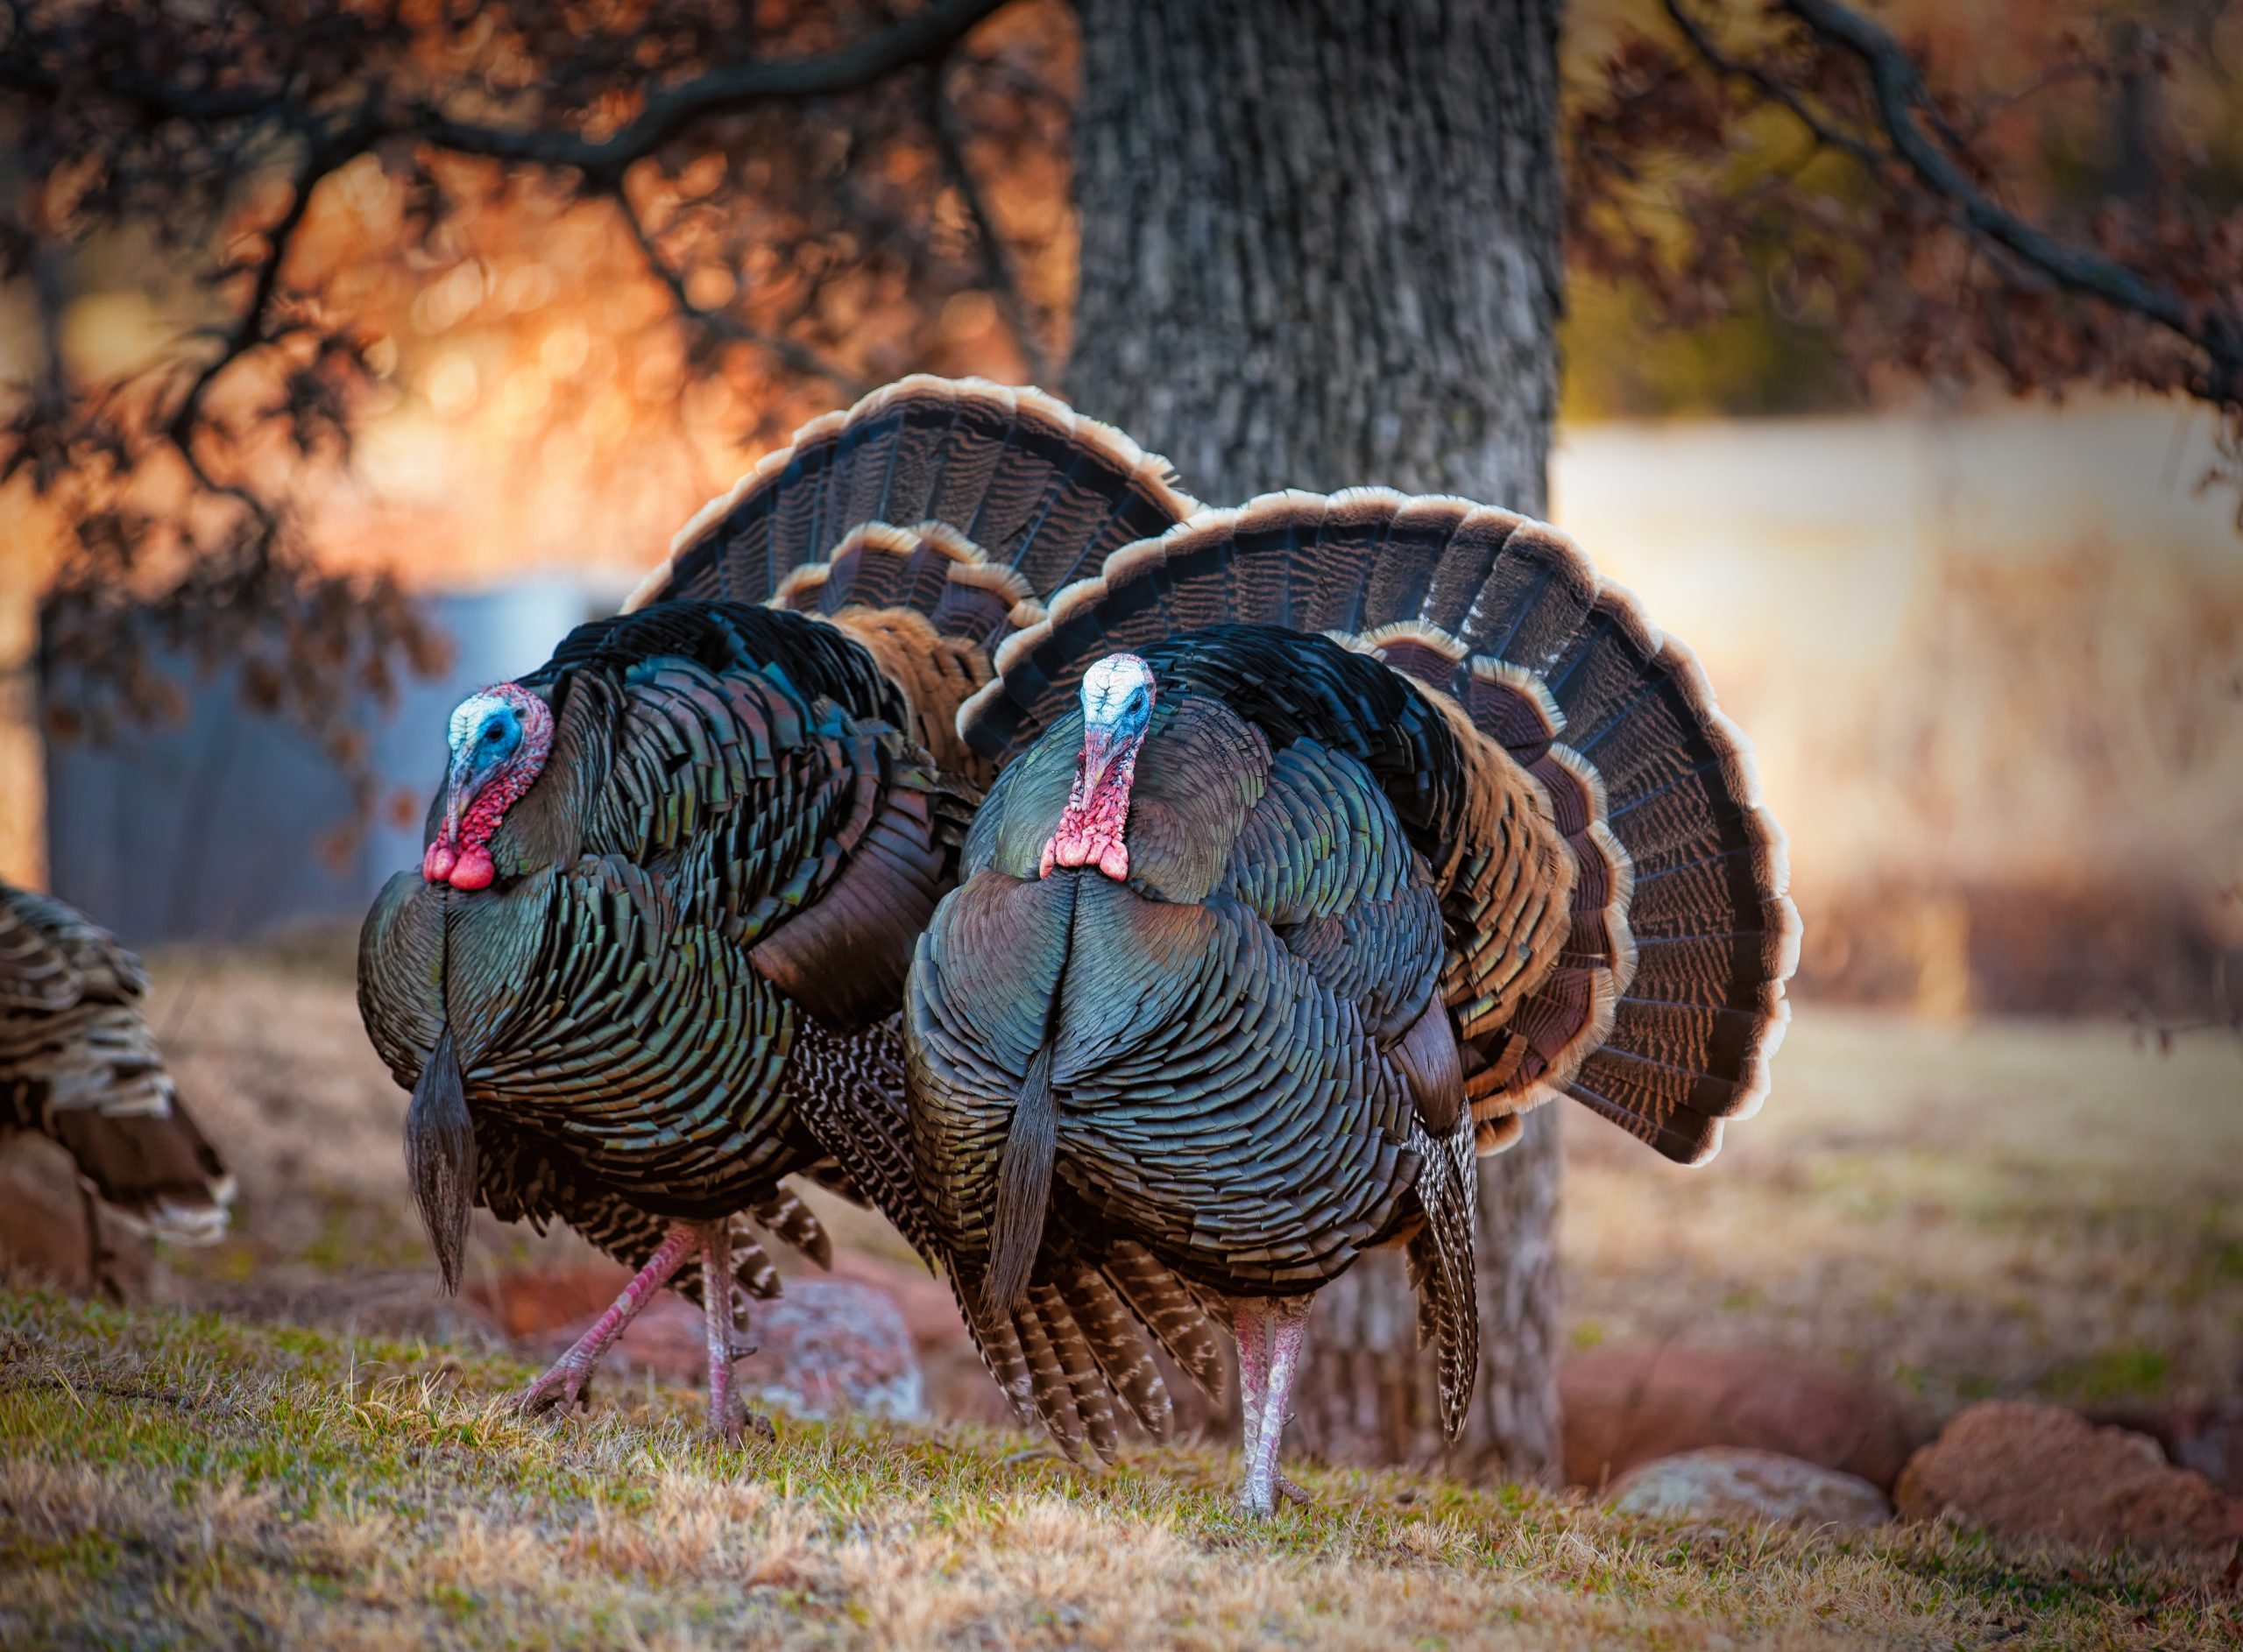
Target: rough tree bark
point(1321, 247)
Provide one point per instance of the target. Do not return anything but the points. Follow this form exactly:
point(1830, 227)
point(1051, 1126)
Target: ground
point(186, 1479)
point(1975, 1209)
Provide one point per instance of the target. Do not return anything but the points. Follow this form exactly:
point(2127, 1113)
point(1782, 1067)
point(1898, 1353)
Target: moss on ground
point(171, 1479)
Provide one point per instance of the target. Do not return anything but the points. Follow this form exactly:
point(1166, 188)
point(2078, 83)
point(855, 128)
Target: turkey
point(77, 1065)
point(649, 966)
point(1342, 832)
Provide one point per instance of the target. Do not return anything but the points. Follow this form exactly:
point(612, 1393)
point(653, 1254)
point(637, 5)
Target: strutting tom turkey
point(78, 1065)
point(649, 966)
point(1342, 832)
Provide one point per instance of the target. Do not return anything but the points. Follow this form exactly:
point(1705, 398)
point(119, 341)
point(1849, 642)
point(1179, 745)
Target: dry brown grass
point(2006, 1208)
point(167, 1479)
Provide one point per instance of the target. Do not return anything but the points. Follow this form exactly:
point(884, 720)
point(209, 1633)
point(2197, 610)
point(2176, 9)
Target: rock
point(2203, 1435)
point(530, 1303)
point(929, 1311)
point(825, 1347)
point(2041, 1472)
point(668, 1338)
point(1762, 1487)
point(956, 1384)
point(1622, 1407)
point(829, 1346)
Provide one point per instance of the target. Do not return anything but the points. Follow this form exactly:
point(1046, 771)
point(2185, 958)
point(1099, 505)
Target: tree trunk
point(1320, 248)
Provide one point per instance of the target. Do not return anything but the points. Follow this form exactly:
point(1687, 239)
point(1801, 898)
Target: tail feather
point(1017, 475)
point(1675, 877)
point(1075, 1343)
point(925, 522)
point(154, 1167)
point(997, 1339)
point(785, 1217)
point(1052, 1391)
point(83, 1069)
point(850, 1092)
point(1177, 1321)
point(931, 569)
point(1086, 1383)
point(1118, 1347)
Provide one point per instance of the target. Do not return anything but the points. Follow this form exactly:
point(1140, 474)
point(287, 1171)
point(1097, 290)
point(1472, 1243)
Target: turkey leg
point(565, 1380)
point(1250, 1323)
point(1271, 1332)
point(725, 1344)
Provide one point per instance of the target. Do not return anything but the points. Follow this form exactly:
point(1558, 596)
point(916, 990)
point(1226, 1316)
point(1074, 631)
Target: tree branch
point(792, 352)
point(928, 34)
point(248, 331)
point(1901, 95)
point(996, 258)
point(1770, 88)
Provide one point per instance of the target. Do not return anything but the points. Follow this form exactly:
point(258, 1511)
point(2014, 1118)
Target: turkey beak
point(1098, 757)
point(459, 792)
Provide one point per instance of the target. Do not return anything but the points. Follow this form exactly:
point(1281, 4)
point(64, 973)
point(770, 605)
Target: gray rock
point(829, 1346)
point(1733, 1484)
point(825, 1347)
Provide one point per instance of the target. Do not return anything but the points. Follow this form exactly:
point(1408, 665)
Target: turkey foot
point(565, 1381)
point(1270, 1331)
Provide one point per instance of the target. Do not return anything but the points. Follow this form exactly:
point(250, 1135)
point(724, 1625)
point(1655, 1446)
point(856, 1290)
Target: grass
point(168, 1479)
point(2016, 1208)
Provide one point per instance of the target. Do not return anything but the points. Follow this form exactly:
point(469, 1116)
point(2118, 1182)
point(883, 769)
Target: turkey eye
point(493, 732)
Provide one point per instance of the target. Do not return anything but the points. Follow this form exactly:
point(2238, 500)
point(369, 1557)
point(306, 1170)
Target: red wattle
point(1091, 830)
point(436, 865)
point(473, 869)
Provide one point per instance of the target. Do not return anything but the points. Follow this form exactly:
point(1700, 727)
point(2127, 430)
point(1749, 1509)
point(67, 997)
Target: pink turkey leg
point(565, 1380)
point(1287, 1317)
point(1250, 1323)
point(725, 1344)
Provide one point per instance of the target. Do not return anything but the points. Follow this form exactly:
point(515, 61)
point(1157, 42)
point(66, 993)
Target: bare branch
point(796, 354)
point(247, 332)
point(734, 86)
point(997, 264)
point(728, 88)
point(1772, 88)
point(1902, 99)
